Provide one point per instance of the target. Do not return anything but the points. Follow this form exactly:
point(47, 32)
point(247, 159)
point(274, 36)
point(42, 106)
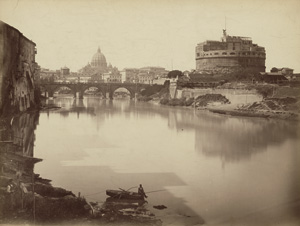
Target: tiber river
point(207, 167)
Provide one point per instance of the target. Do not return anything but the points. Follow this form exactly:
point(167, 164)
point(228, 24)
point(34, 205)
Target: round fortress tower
point(231, 54)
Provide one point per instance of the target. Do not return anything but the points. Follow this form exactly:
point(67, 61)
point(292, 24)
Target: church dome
point(99, 60)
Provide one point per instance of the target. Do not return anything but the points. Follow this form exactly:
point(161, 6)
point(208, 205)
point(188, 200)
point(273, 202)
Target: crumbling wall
point(17, 55)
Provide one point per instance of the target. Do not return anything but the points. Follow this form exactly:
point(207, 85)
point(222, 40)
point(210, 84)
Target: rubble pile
point(272, 104)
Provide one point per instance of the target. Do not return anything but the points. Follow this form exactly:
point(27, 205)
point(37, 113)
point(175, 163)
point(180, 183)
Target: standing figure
point(142, 192)
point(10, 189)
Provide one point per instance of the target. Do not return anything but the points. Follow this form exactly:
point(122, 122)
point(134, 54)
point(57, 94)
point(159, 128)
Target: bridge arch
point(100, 89)
point(57, 87)
point(130, 90)
point(51, 88)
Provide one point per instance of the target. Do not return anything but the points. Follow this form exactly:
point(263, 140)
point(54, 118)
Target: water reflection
point(237, 137)
point(17, 159)
point(240, 138)
point(17, 162)
point(112, 144)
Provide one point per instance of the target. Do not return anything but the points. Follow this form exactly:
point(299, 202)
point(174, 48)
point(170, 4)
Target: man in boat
point(141, 191)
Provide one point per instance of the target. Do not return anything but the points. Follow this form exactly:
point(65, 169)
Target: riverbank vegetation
point(154, 92)
point(200, 101)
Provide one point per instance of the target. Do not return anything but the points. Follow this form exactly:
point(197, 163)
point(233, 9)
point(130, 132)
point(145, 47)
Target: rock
point(160, 207)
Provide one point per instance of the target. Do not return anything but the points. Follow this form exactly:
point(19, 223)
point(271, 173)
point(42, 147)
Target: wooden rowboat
point(116, 194)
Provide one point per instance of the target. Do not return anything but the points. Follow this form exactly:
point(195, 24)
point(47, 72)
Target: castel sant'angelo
point(231, 54)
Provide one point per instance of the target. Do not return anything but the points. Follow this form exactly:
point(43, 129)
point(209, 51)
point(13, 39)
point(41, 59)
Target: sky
point(139, 33)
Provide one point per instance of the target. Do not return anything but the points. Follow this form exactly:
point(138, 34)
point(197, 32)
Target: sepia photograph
point(150, 112)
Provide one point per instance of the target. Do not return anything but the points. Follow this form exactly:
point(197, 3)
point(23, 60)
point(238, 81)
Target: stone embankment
point(280, 102)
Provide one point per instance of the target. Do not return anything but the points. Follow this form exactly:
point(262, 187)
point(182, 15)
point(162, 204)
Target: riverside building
point(17, 70)
point(232, 53)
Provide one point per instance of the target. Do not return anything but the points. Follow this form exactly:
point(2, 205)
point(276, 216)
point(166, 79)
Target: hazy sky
point(136, 33)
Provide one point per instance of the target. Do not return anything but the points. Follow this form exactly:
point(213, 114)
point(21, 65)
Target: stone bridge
point(107, 89)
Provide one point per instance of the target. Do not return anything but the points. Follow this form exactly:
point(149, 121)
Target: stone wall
point(17, 70)
point(173, 88)
point(225, 65)
point(235, 96)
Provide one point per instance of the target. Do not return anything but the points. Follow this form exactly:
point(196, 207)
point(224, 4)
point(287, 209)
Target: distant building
point(47, 75)
point(231, 54)
point(146, 75)
point(115, 77)
point(277, 75)
point(284, 71)
point(129, 75)
point(98, 68)
point(64, 71)
point(17, 70)
point(146, 78)
point(295, 77)
point(158, 72)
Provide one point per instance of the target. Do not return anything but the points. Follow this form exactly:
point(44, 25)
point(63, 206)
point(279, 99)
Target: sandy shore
point(232, 109)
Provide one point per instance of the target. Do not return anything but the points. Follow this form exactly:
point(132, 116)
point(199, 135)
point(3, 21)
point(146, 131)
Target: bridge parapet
point(107, 89)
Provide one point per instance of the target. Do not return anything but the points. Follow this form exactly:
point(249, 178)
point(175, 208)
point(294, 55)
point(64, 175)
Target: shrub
point(164, 101)
point(189, 101)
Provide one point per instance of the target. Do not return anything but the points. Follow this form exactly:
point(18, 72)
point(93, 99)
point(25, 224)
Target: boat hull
point(115, 194)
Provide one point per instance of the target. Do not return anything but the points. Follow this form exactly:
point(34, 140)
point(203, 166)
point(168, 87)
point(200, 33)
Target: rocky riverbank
point(278, 102)
point(284, 104)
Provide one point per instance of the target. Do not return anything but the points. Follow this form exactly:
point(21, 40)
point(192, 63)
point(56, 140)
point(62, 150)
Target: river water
point(204, 167)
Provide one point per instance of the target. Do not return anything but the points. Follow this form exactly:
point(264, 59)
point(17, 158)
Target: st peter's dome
point(99, 60)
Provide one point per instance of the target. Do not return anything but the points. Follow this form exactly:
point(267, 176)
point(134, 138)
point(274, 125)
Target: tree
point(175, 73)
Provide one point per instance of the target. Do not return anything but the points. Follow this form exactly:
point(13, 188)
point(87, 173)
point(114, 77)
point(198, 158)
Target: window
point(224, 53)
point(232, 53)
point(216, 53)
point(198, 54)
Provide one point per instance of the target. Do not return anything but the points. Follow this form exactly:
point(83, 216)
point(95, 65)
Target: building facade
point(64, 71)
point(232, 53)
point(145, 75)
point(129, 75)
point(17, 70)
point(278, 75)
